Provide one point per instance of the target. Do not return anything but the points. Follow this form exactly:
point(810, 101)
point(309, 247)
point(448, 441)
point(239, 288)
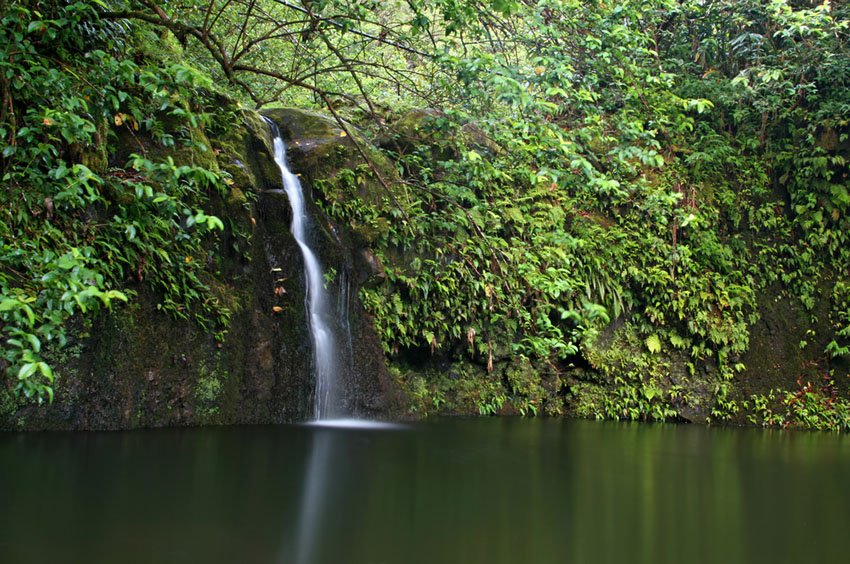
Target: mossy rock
point(785, 346)
point(157, 44)
point(9, 406)
point(305, 126)
point(258, 131)
point(453, 386)
point(586, 399)
point(318, 146)
point(431, 127)
point(533, 389)
point(417, 126)
point(246, 153)
point(630, 380)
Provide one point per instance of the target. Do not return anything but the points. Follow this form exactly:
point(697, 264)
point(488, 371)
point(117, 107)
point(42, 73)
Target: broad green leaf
point(653, 343)
point(27, 370)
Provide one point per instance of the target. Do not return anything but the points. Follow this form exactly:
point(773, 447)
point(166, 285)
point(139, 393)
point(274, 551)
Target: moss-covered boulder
point(319, 146)
point(433, 129)
point(788, 345)
point(634, 378)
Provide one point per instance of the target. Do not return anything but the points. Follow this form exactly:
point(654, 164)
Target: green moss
point(8, 405)
point(514, 386)
point(258, 129)
point(66, 362)
point(96, 158)
point(460, 388)
point(588, 400)
point(636, 381)
point(65, 359)
point(157, 44)
point(236, 197)
point(419, 398)
point(198, 152)
point(528, 395)
point(305, 125)
point(323, 148)
point(208, 390)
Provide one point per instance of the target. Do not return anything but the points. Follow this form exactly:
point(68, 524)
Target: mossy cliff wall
point(139, 367)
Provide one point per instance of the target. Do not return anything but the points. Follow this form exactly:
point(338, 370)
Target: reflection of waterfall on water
point(330, 450)
point(325, 351)
point(313, 501)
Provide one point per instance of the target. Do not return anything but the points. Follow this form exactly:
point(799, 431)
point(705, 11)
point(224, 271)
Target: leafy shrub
point(75, 229)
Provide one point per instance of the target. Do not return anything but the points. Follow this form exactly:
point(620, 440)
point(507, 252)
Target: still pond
point(447, 491)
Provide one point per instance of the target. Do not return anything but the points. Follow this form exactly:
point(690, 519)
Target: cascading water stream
point(325, 351)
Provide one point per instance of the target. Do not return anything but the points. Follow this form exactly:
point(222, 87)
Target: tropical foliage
point(78, 224)
point(569, 174)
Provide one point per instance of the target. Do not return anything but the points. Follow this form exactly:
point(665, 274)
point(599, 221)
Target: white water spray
point(325, 351)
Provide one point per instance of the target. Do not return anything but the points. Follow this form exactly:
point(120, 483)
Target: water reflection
point(317, 483)
point(488, 491)
point(330, 462)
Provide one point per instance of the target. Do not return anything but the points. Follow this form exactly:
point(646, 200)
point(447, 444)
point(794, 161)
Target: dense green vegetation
point(588, 199)
point(77, 225)
point(812, 406)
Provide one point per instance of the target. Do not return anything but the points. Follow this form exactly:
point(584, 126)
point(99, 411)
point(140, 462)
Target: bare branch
point(247, 19)
point(338, 25)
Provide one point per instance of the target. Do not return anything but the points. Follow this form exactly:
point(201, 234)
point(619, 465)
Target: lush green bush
point(76, 227)
point(811, 406)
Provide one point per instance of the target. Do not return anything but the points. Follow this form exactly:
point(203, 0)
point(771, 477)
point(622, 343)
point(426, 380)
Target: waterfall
point(325, 351)
point(343, 306)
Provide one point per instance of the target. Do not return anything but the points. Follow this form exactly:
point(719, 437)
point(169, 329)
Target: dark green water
point(451, 491)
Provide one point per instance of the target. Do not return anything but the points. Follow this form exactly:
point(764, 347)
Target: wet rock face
point(317, 146)
point(785, 347)
point(138, 367)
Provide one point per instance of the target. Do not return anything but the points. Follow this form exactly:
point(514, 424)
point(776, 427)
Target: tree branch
point(338, 25)
point(365, 157)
